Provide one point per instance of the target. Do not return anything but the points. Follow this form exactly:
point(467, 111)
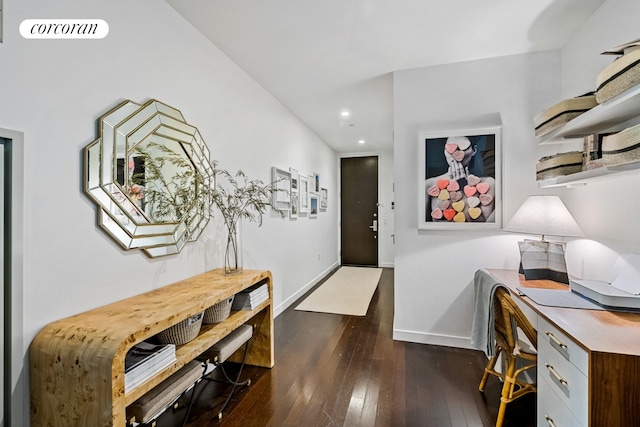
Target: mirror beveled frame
point(121, 132)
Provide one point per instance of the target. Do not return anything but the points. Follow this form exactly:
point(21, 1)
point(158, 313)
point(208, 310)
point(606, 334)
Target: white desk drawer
point(563, 345)
point(568, 382)
point(551, 411)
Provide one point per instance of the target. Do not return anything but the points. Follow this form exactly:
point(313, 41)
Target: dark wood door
point(359, 211)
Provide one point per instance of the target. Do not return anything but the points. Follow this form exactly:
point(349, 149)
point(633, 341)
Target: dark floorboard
point(334, 370)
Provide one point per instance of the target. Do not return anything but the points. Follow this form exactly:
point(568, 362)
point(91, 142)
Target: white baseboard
point(293, 298)
point(386, 264)
point(433, 339)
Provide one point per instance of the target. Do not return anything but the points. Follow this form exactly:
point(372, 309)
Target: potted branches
point(239, 198)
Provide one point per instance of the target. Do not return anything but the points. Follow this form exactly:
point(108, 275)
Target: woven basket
point(559, 165)
point(183, 332)
point(620, 75)
point(592, 151)
point(622, 148)
point(218, 312)
point(562, 113)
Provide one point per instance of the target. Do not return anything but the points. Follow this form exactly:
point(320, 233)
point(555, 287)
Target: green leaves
point(171, 184)
point(240, 197)
point(173, 189)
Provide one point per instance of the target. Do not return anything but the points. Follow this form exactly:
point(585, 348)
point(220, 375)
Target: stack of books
point(251, 297)
point(145, 360)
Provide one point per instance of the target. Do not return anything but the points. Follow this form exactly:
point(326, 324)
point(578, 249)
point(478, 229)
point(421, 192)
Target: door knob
point(374, 227)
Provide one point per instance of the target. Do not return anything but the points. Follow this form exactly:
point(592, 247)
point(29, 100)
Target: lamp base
point(541, 259)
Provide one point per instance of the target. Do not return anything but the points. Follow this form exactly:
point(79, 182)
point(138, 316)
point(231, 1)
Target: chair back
point(508, 317)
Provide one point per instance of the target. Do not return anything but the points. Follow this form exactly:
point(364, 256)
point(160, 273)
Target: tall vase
point(233, 248)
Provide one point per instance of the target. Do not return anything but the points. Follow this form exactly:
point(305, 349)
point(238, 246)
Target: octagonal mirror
point(149, 172)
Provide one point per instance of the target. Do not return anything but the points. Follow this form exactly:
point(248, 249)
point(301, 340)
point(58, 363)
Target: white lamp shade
point(545, 215)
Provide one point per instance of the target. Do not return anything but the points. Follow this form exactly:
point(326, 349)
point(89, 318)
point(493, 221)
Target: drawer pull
point(550, 421)
point(556, 340)
point(557, 375)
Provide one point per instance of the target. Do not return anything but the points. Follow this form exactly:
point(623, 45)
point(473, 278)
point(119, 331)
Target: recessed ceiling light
point(361, 141)
point(345, 114)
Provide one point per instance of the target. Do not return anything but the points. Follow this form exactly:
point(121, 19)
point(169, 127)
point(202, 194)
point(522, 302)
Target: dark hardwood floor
point(333, 370)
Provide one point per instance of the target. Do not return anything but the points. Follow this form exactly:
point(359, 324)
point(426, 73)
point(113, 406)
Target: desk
point(610, 342)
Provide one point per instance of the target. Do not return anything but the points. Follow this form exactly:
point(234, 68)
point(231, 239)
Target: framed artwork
point(293, 213)
point(295, 180)
point(282, 194)
point(459, 181)
point(323, 199)
point(313, 206)
point(304, 194)
point(315, 183)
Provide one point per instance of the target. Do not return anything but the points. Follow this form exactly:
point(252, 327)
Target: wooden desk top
point(595, 330)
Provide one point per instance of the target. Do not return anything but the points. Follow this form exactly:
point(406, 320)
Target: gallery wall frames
point(299, 194)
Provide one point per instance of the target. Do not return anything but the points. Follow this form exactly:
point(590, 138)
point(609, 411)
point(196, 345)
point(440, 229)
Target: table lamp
point(544, 215)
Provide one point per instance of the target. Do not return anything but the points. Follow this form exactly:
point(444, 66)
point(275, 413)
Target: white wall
point(386, 212)
point(434, 269)
point(55, 90)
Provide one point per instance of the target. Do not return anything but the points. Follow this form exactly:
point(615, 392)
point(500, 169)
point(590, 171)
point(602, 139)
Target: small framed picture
point(304, 194)
point(293, 213)
point(282, 194)
point(295, 180)
point(316, 183)
point(313, 206)
point(323, 199)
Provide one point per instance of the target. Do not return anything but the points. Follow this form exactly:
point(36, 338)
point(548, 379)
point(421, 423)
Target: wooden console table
point(603, 347)
point(77, 364)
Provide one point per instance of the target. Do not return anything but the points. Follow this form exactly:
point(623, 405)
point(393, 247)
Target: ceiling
point(320, 58)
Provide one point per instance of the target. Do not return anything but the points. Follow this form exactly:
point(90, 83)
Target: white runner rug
point(348, 291)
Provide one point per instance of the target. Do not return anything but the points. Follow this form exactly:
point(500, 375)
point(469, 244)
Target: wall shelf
point(623, 107)
point(599, 119)
point(585, 177)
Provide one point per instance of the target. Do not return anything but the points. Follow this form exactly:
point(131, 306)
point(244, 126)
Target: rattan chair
point(518, 355)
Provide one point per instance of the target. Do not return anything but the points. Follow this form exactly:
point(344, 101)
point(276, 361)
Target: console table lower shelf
point(77, 364)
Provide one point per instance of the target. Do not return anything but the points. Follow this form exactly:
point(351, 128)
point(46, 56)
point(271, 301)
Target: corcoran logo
point(64, 29)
